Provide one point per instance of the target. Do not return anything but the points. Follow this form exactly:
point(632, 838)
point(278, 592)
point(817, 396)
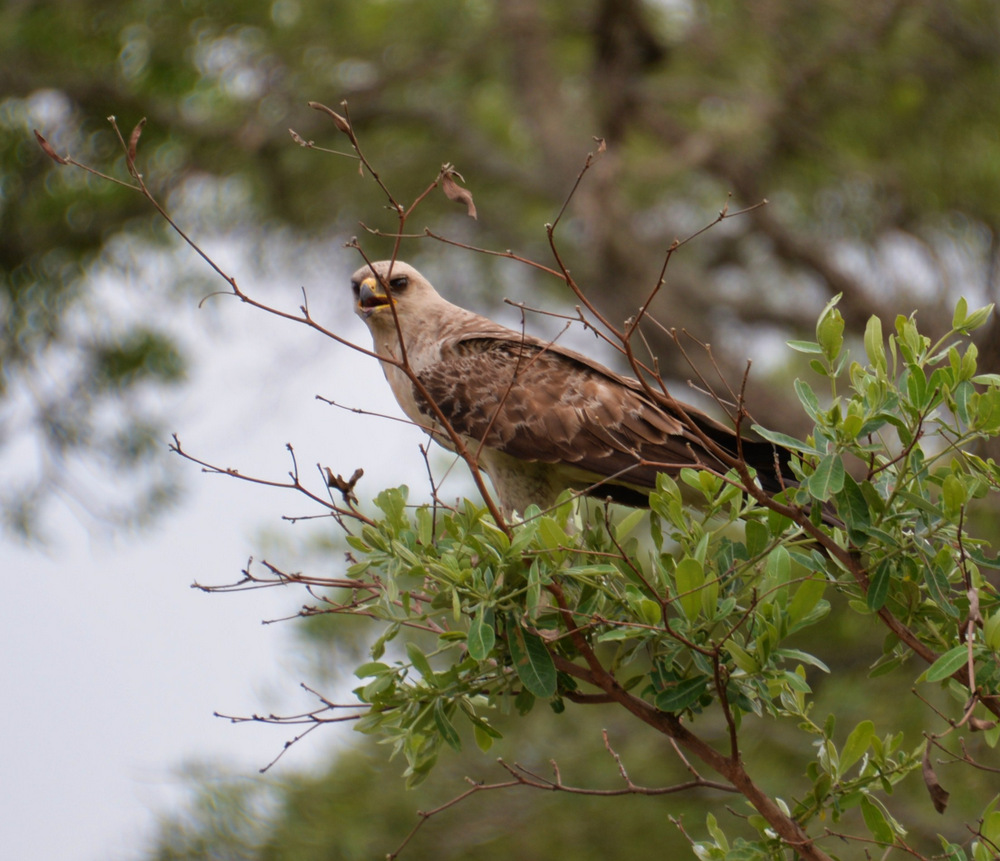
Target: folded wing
point(543, 404)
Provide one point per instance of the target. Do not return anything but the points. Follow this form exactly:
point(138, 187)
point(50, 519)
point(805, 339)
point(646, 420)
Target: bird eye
point(399, 283)
point(356, 288)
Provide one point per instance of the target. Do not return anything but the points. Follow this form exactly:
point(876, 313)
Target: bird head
point(377, 285)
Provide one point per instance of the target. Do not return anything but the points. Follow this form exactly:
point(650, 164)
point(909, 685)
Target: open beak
point(371, 297)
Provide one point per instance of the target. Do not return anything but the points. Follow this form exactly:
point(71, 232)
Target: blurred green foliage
point(871, 127)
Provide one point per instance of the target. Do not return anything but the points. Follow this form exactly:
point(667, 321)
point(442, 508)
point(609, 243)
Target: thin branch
point(292, 484)
point(523, 777)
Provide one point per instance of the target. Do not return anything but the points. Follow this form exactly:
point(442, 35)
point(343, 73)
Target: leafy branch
point(472, 614)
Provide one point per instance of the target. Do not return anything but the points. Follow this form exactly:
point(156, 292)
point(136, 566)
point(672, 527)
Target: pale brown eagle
point(537, 417)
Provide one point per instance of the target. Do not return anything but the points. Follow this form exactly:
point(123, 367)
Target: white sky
point(112, 664)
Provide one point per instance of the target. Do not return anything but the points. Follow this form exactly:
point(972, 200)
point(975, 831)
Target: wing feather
point(540, 404)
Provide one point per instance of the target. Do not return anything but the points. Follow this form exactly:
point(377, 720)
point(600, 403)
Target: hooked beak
point(371, 297)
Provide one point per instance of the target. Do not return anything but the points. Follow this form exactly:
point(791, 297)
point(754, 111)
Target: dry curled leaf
point(338, 120)
point(344, 485)
point(47, 149)
point(453, 191)
point(133, 140)
point(939, 795)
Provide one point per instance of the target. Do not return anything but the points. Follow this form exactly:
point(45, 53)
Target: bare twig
point(523, 777)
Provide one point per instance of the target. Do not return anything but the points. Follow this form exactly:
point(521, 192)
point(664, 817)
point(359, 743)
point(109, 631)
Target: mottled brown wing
point(542, 405)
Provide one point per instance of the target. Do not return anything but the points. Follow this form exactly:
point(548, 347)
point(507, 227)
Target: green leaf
point(878, 586)
point(976, 318)
point(878, 826)
point(482, 636)
point(828, 478)
point(532, 662)
point(954, 494)
point(392, 502)
point(830, 331)
point(961, 311)
point(623, 633)
point(805, 347)
point(853, 509)
point(990, 829)
point(785, 441)
point(804, 657)
point(779, 565)
point(991, 632)
point(677, 696)
point(962, 394)
point(379, 684)
point(968, 370)
point(484, 740)
point(552, 535)
point(757, 537)
point(378, 647)
point(919, 502)
point(937, 584)
point(807, 397)
point(953, 852)
point(851, 426)
point(372, 668)
point(525, 701)
point(689, 575)
point(649, 611)
point(420, 662)
point(988, 412)
point(742, 658)
point(916, 387)
point(856, 744)
point(625, 526)
point(709, 599)
point(805, 598)
point(425, 525)
point(717, 833)
point(796, 682)
point(874, 344)
point(445, 726)
point(947, 664)
point(534, 594)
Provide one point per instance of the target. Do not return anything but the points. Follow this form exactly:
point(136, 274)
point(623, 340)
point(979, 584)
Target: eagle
point(538, 418)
